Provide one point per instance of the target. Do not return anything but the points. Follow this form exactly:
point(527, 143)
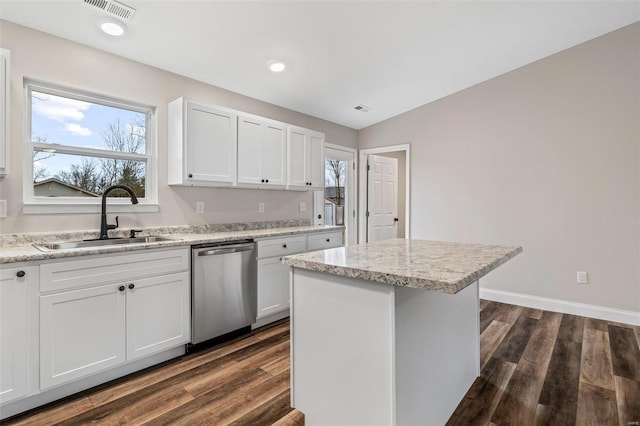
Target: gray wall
point(44, 57)
point(547, 157)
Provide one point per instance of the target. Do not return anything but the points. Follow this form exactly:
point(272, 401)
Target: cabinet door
point(211, 144)
point(262, 151)
point(158, 314)
point(273, 286)
point(249, 137)
point(14, 342)
point(316, 161)
point(298, 158)
point(5, 89)
point(273, 154)
point(81, 332)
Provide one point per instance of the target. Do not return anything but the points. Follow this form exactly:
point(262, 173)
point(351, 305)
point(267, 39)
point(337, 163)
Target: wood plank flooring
point(547, 368)
point(538, 367)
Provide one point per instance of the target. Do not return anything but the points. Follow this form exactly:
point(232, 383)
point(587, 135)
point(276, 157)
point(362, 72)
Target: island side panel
point(342, 349)
point(437, 352)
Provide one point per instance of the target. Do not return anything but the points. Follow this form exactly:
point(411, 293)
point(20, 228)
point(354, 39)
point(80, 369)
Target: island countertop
point(431, 265)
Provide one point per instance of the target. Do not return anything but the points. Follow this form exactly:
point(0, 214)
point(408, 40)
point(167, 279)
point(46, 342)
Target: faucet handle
point(133, 232)
point(114, 226)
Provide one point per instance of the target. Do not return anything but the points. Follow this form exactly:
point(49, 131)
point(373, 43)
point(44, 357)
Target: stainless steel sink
point(66, 245)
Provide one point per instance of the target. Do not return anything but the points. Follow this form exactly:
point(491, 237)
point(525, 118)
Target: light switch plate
point(199, 206)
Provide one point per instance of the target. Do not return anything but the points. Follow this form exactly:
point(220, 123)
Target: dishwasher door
point(224, 289)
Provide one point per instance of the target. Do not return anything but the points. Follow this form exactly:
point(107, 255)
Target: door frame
point(363, 189)
point(351, 207)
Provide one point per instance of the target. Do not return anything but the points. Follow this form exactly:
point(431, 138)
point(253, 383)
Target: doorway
point(336, 205)
point(399, 228)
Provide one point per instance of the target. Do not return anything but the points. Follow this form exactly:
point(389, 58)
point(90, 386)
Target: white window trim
point(40, 205)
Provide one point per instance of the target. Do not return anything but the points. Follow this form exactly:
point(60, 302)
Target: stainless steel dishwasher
point(223, 288)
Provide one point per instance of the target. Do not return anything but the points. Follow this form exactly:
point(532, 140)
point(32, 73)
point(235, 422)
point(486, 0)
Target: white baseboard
point(562, 306)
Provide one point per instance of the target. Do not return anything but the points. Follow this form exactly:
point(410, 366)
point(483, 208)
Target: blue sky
point(76, 123)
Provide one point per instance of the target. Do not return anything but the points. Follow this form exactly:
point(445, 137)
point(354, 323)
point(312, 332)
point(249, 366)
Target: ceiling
point(390, 56)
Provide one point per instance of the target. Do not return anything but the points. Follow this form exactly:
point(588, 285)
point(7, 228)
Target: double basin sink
point(66, 245)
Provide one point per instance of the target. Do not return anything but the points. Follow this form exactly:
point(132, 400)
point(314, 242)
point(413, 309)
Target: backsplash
point(8, 240)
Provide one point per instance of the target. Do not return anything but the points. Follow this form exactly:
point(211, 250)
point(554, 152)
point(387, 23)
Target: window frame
point(38, 205)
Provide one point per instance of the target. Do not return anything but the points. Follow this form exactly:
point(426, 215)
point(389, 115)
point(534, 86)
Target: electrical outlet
point(583, 278)
point(3, 209)
point(199, 206)
point(303, 206)
point(260, 207)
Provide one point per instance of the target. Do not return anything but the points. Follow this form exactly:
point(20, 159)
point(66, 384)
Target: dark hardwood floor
point(538, 367)
point(547, 368)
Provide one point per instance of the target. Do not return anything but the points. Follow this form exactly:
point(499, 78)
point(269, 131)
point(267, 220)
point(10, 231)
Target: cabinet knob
point(284, 246)
point(190, 175)
point(266, 180)
point(328, 240)
point(131, 286)
point(20, 274)
point(121, 288)
point(262, 180)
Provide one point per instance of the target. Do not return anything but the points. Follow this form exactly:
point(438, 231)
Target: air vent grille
point(362, 108)
point(114, 8)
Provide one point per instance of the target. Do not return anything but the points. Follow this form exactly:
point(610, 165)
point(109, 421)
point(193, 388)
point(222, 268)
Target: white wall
point(547, 157)
point(44, 57)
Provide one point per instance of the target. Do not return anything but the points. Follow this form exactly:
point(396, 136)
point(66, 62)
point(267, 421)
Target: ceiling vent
point(362, 108)
point(113, 8)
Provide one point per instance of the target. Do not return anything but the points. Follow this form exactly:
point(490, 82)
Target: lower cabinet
point(273, 276)
point(15, 331)
point(273, 286)
point(89, 329)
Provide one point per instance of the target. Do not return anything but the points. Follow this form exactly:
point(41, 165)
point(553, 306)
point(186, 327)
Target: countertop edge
point(399, 279)
point(28, 253)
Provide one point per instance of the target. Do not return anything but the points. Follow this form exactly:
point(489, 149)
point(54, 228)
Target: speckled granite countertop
point(432, 265)
point(19, 247)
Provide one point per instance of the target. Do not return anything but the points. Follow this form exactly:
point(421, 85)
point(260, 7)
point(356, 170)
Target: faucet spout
point(104, 226)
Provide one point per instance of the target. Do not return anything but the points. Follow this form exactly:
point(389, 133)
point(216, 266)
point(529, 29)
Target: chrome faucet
point(104, 227)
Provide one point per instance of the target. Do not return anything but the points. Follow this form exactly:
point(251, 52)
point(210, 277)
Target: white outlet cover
point(3, 209)
point(260, 207)
point(583, 277)
point(199, 206)
point(303, 206)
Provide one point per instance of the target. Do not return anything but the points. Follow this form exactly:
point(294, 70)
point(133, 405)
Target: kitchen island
point(387, 333)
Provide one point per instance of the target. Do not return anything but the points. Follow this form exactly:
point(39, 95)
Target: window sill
point(61, 208)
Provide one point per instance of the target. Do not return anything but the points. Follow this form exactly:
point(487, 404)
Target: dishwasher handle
point(225, 250)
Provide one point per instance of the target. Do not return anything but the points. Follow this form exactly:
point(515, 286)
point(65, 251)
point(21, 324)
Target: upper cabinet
point(202, 144)
point(262, 152)
point(211, 145)
point(4, 110)
point(306, 159)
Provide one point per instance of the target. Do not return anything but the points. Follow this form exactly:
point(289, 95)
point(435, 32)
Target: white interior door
point(382, 204)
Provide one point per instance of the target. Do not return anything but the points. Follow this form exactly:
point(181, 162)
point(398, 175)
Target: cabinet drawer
point(282, 246)
point(324, 240)
point(97, 270)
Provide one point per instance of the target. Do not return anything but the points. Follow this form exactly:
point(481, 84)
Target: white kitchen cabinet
point(5, 108)
point(306, 159)
point(202, 144)
point(81, 332)
point(273, 275)
point(324, 240)
point(158, 312)
point(103, 311)
point(16, 330)
point(262, 152)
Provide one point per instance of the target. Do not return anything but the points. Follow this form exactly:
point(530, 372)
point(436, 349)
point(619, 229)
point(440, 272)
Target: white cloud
point(76, 129)
point(57, 108)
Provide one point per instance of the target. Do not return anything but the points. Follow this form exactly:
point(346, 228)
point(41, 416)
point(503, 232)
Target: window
point(80, 144)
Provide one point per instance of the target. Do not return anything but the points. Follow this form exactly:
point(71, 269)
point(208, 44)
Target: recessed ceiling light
point(276, 65)
point(112, 27)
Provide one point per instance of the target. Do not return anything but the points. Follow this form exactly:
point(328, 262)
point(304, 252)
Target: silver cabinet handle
point(225, 250)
